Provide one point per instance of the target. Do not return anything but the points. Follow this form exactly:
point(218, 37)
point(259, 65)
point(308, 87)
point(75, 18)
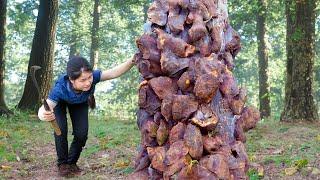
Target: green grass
point(21, 132)
point(16, 135)
point(284, 145)
point(253, 174)
point(274, 145)
point(24, 136)
point(112, 134)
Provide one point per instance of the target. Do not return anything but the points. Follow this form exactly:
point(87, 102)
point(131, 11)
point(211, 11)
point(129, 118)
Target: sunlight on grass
point(278, 147)
point(253, 175)
point(286, 145)
point(112, 133)
point(15, 132)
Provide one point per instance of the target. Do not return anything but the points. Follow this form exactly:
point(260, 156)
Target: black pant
point(79, 118)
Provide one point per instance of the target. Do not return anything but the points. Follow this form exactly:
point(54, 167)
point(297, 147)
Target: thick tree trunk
point(3, 11)
point(264, 90)
point(190, 107)
point(94, 53)
point(290, 14)
point(299, 101)
point(74, 45)
point(42, 54)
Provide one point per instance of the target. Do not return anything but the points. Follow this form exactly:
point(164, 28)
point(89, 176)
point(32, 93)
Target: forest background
point(120, 22)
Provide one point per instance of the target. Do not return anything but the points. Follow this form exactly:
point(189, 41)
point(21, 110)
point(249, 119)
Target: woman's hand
point(118, 70)
point(135, 58)
point(48, 116)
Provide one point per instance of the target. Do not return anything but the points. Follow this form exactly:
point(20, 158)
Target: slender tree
point(74, 47)
point(299, 101)
point(94, 53)
point(3, 11)
point(145, 10)
point(264, 91)
point(42, 53)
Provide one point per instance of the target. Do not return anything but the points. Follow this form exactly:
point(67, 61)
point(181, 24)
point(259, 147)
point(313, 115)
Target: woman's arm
point(117, 71)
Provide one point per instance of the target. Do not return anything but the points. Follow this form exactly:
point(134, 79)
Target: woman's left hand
point(135, 58)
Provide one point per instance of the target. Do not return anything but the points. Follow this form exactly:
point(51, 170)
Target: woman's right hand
point(48, 116)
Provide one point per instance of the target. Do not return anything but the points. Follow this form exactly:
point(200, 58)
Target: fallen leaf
point(290, 171)
point(121, 164)
point(18, 158)
point(278, 151)
point(260, 171)
point(315, 171)
point(4, 167)
point(258, 167)
point(252, 158)
point(4, 134)
point(105, 155)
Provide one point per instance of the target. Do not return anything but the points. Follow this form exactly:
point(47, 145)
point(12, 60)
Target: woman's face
point(84, 82)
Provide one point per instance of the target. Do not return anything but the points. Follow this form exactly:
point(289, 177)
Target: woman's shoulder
point(58, 89)
point(96, 76)
point(61, 83)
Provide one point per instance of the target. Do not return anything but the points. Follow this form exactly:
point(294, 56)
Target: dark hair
point(75, 66)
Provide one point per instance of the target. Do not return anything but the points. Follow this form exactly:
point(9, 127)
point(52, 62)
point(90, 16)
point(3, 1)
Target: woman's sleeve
point(55, 94)
point(96, 76)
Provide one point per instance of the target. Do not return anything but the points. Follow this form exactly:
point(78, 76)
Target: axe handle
point(54, 123)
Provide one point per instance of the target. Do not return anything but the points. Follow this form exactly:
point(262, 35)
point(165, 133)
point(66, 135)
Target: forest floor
point(276, 150)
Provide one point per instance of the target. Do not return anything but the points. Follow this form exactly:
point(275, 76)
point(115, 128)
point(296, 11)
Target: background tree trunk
point(74, 46)
point(3, 10)
point(264, 90)
point(299, 101)
point(42, 53)
point(94, 53)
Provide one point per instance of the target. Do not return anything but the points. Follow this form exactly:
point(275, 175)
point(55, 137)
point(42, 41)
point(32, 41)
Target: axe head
point(34, 68)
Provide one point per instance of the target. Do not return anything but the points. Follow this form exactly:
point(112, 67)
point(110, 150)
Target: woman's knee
point(81, 137)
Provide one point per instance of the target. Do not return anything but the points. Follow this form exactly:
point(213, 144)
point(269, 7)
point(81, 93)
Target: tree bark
point(3, 10)
point(42, 54)
point(145, 9)
point(94, 53)
point(299, 100)
point(190, 106)
point(74, 47)
point(264, 89)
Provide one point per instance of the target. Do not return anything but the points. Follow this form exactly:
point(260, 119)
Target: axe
point(54, 123)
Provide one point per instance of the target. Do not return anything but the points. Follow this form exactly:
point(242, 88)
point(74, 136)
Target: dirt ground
point(275, 148)
point(43, 166)
point(286, 151)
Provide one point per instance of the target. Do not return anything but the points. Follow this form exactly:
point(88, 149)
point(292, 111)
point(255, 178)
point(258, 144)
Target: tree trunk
point(145, 9)
point(299, 101)
point(190, 106)
point(3, 10)
point(264, 90)
point(74, 45)
point(94, 53)
point(42, 54)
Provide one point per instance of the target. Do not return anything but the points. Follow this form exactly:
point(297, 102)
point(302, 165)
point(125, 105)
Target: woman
point(75, 92)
